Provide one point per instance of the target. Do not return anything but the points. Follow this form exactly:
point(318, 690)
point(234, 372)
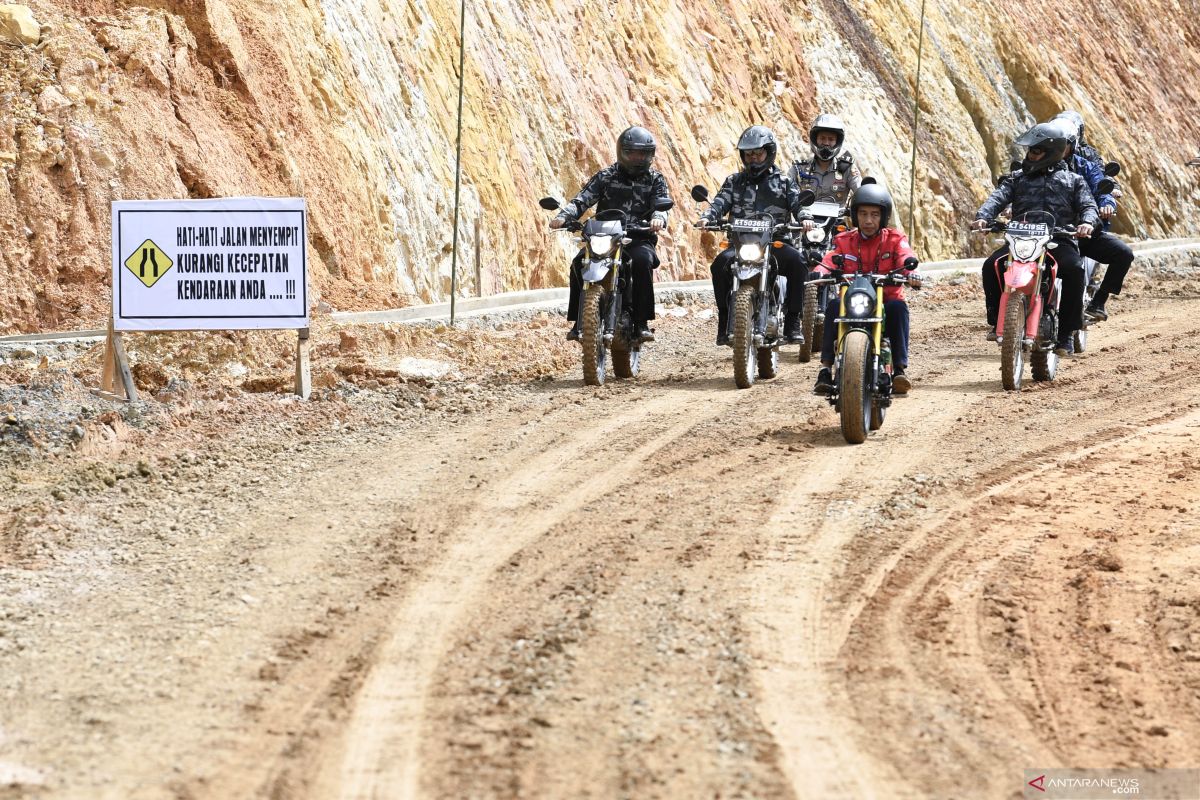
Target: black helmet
point(1053, 137)
point(631, 145)
point(872, 194)
point(753, 138)
point(827, 123)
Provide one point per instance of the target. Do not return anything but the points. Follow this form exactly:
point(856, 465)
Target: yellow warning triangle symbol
point(148, 263)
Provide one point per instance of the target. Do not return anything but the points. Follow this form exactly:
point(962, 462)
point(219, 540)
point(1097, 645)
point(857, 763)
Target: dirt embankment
point(354, 108)
point(498, 583)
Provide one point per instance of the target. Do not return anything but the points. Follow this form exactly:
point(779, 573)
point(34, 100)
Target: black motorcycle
point(757, 292)
point(604, 306)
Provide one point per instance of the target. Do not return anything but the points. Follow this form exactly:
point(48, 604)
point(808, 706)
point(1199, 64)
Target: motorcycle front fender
point(596, 271)
point(746, 272)
point(1019, 275)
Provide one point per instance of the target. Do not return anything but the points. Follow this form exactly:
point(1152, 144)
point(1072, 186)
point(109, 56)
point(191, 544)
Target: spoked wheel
point(768, 362)
point(626, 362)
point(856, 390)
point(745, 354)
point(1012, 349)
point(595, 356)
point(808, 323)
point(1043, 364)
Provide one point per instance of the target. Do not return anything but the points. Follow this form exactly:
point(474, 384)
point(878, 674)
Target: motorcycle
point(826, 217)
point(758, 291)
point(605, 320)
point(1028, 319)
point(862, 367)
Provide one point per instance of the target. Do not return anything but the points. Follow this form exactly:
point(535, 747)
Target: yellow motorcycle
point(862, 385)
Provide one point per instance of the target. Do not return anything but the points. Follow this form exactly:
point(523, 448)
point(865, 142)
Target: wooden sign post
point(116, 367)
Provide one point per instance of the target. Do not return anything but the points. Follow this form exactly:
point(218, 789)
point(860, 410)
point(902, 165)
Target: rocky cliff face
point(351, 104)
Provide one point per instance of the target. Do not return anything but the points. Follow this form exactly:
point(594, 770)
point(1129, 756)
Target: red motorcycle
point(1028, 320)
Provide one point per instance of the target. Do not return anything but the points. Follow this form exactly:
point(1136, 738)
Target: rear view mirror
point(1105, 187)
point(807, 197)
point(549, 203)
point(868, 180)
point(664, 205)
point(1112, 169)
point(700, 194)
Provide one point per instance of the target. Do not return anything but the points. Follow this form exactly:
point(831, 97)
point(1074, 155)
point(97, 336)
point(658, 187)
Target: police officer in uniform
point(633, 186)
point(831, 174)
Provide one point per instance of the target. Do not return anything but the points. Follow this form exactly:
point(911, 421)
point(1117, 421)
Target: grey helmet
point(1053, 137)
point(631, 144)
point(872, 194)
point(1076, 119)
point(753, 138)
point(830, 124)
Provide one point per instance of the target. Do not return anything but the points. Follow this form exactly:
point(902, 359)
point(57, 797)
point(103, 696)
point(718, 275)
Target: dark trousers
point(1070, 270)
point(1104, 248)
point(790, 264)
point(895, 327)
point(639, 293)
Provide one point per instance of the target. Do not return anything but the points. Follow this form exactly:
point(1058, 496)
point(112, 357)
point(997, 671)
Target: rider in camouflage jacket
point(759, 187)
point(631, 186)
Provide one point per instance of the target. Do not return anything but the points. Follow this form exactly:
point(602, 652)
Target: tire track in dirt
point(922, 625)
point(942, 602)
point(807, 697)
point(800, 620)
point(381, 743)
point(620, 649)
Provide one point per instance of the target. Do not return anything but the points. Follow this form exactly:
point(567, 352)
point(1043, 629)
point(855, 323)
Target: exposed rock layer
point(352, 105)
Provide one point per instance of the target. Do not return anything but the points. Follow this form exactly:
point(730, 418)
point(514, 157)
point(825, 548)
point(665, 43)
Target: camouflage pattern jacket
point(1059, 191)
point(614, 188)
point(742, 197)
point(833, 185)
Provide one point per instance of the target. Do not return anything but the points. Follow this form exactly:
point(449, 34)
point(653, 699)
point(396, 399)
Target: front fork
point(613, 285)
point(881, 354)
point(763, 310)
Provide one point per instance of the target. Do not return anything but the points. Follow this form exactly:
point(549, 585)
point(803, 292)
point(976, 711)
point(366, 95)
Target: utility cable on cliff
point(912, 169)
point(462, 52)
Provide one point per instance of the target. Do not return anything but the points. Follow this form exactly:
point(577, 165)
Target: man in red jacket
point(871, 247)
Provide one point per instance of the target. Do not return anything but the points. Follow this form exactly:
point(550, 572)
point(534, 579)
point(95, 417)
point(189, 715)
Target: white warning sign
point(210, 264)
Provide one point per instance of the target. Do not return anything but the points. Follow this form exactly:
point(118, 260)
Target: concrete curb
point(550, 299)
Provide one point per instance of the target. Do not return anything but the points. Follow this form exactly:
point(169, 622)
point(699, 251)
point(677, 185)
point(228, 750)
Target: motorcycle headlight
point(600, 245)
point(859, 304)
point(750, 252)
point(816, 235)
point(1024, 249)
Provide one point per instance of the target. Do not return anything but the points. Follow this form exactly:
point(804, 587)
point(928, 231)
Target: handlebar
point(575, 227)
point(725, 226)
point(893, 278)
point(1000, 226)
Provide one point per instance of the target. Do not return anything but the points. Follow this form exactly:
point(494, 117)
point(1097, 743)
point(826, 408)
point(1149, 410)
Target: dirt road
point(665, 588)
